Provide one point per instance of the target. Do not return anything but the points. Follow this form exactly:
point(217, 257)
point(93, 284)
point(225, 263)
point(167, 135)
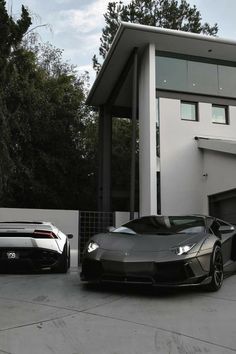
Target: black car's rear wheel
point(216, 272)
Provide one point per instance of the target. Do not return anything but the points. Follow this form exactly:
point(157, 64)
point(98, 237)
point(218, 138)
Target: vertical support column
point(100, 159)
point(134, 126)
point(104, 169)
point(147, 133)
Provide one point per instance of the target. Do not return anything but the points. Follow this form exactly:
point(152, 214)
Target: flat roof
point(130, 35)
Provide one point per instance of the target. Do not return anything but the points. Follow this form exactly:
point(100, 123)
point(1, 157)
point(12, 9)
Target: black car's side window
point(209, 222)
point(214, 226)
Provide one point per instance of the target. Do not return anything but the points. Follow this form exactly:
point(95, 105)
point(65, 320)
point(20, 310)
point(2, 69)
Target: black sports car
point(163, 251)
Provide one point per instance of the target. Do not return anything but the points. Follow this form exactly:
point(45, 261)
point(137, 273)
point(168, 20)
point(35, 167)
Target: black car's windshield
point(164, 225)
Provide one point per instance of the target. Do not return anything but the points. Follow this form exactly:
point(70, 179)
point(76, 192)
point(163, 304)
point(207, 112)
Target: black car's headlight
point(92, 246)
point(180, 250)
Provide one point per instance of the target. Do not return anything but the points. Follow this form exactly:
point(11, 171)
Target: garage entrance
point(223, 205)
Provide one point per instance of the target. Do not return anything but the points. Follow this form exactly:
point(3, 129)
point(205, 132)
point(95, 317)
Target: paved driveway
point(55, 313)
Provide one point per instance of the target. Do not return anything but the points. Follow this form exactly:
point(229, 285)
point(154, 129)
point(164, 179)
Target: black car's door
point(222, 230)
point(228, 240)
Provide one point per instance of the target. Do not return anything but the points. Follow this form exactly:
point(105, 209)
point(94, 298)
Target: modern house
point(181, 89)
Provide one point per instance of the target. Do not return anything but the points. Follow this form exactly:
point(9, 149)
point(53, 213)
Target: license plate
point(12, 255)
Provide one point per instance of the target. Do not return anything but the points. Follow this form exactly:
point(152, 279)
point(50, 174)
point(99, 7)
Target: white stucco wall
point(221, 174)
point(147, 132)
point(183, 187)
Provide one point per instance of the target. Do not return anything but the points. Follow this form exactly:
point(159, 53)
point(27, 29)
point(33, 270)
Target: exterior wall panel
point(221, 174)
point(184, 189)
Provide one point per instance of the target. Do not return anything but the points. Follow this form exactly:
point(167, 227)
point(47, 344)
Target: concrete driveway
point(55, 313)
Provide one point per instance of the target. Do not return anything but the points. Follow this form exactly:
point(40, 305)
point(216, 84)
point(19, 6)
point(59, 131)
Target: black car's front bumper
point(171, 273)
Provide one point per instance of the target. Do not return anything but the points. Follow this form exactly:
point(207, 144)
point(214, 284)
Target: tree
point(47, 133)
point(121, 147)
point(159, 13)
point(11, 34)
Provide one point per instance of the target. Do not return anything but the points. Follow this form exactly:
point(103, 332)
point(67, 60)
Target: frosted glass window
point(171, 73)
point(227, 81)
point(202, 78)
point(189, 111)
point(219, 114)
point(197, 77)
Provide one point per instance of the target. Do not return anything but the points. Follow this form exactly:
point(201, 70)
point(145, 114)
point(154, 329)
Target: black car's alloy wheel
point(217, 272)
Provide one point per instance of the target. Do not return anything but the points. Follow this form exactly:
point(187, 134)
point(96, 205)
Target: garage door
point(223, 206)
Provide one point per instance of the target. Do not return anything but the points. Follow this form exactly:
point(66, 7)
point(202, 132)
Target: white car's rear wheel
point(64, 262)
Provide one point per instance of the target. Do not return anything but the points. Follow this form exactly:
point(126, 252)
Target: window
point(163, 225)
point(189, 111)
point(202, 78)
point(171, 73)
point(191, 74)
point(227, 81)
point(219, 114)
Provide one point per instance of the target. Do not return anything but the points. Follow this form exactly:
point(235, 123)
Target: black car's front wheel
point(216, 272)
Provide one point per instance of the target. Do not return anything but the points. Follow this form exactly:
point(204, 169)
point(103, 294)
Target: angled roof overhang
point(131, 35)
point(215, 144)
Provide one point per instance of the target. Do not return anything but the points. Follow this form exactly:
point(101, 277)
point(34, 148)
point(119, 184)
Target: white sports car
point(38, 244)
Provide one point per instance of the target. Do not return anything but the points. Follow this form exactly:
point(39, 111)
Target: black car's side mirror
point(110, 228)
point(70, 236)
point(226, 229)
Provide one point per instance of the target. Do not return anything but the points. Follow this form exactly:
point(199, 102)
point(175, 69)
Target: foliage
point(174, 14)
point(121, 155)
point(47, 133)
point(11, 34)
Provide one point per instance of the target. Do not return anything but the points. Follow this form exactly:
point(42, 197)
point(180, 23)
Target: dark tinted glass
point(195, 76)
point(171, 73)
point(227, 81)
point(164, 225)
point(202, 78)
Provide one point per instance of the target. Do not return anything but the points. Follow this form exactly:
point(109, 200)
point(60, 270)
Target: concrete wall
point(221, 174)
point(66, 220)
point(181, 162)
point(147, 133)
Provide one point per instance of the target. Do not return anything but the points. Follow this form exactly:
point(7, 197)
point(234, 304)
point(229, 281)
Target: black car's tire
point(216, 271)
point(63, 263)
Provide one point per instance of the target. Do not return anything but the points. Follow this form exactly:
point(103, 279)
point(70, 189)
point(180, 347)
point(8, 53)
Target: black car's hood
point(146, 243)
